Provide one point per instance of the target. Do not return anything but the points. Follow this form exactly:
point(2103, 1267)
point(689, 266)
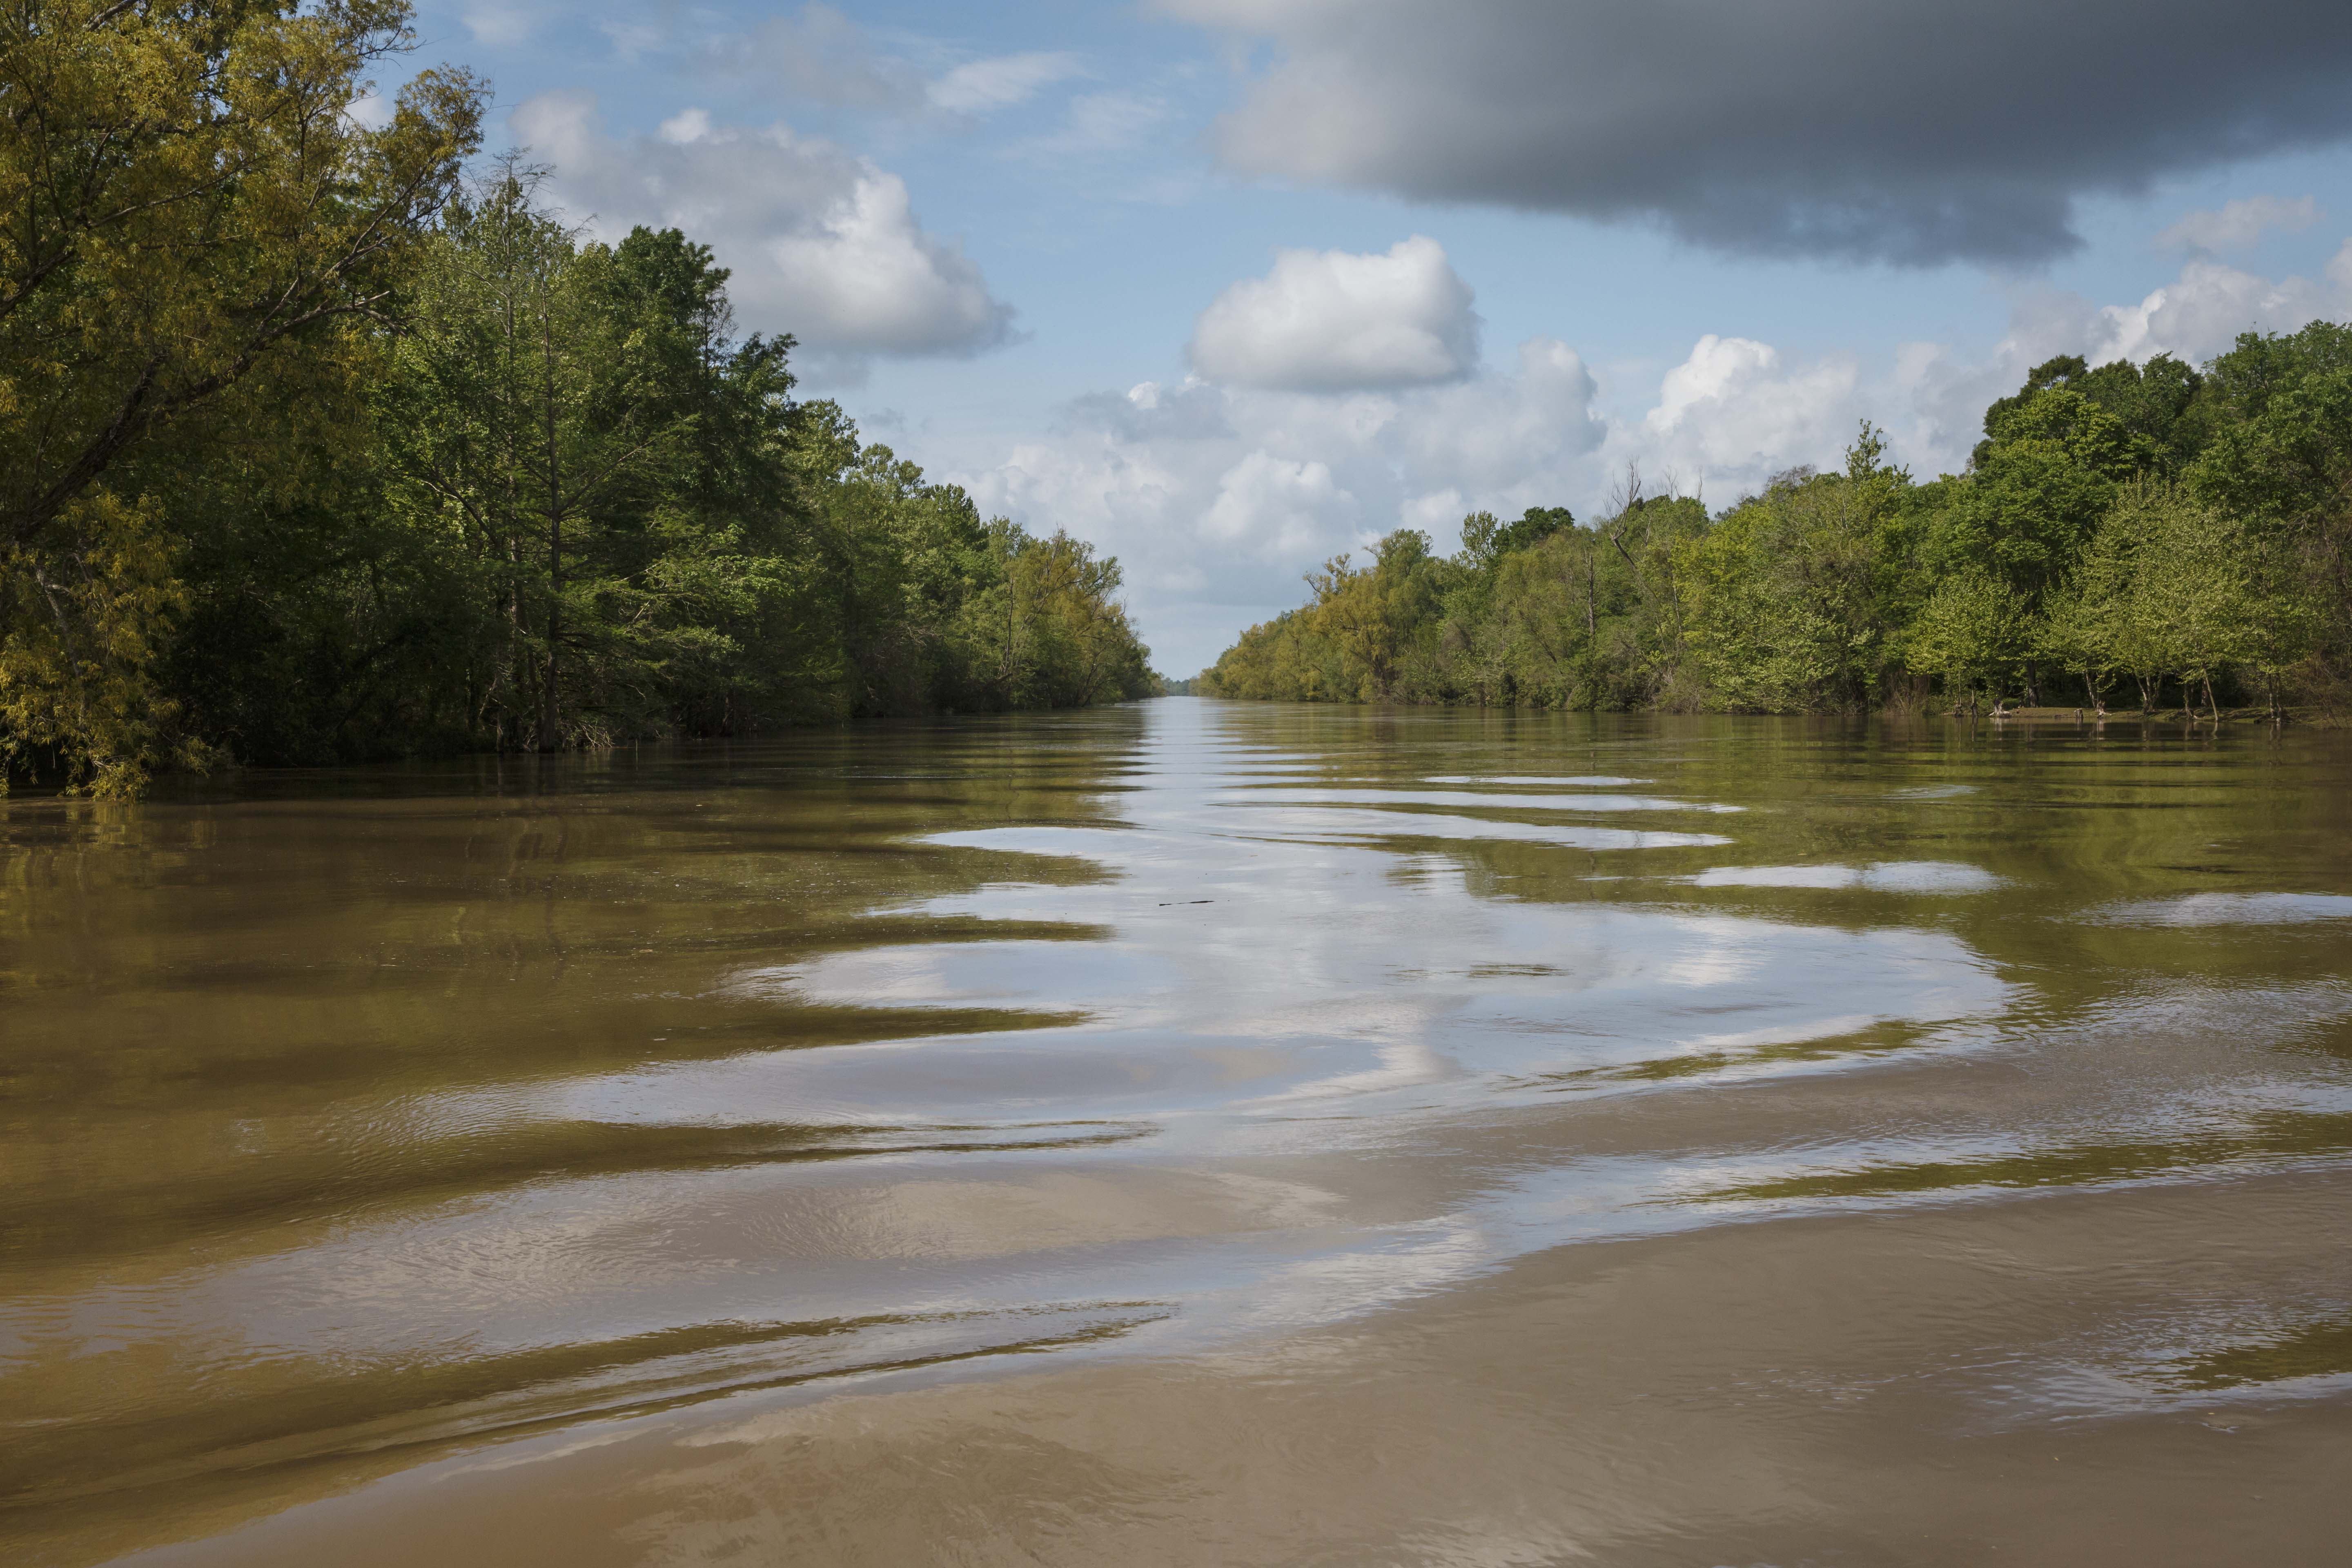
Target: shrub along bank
point(2149, 534)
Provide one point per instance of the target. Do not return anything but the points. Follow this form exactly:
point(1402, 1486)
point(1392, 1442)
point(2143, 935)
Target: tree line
point(324, 442)
point(2152, 535)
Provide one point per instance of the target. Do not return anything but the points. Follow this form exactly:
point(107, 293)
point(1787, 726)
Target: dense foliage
point(2153, 531)
point(312, 448)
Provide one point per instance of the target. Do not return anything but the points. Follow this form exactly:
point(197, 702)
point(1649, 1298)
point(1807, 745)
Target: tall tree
point(186, 198)
point(538, 389)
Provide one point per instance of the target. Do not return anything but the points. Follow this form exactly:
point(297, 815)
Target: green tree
point(2150, 520)
point(2280, 459)
point(529, 400)
point(2192, 601)
point(2153, 402)
point(191, 203)
point(1788, 606)
point(1972, 631)
point(1382, 619)
point(2171, 586)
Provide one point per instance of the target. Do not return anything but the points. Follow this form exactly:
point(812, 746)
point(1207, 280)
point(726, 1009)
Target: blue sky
point(1229, 286)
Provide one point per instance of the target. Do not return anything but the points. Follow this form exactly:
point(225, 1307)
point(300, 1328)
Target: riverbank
point(2303, 715)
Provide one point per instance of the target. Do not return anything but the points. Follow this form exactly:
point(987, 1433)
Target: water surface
point(1191, 1133)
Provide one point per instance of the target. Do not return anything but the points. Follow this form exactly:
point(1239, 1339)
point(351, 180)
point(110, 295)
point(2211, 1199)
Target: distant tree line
point(2149, 534)
point(318, 446)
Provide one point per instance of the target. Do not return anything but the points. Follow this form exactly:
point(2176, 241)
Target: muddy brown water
point(1193, 1133)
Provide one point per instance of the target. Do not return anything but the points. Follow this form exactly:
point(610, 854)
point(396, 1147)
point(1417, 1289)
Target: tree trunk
point(549, 705)
point(517, 659)
point(550, 697)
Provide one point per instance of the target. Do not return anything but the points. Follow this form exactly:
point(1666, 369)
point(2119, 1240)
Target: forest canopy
point(2155, 533)
point(325, 443)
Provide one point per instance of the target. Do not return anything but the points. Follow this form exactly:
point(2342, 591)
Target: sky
point(1230, 286)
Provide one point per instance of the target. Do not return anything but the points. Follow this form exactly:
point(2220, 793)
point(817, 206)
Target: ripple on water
point(1313, 822)
point(2227, 909)
point(1882, 877)
point(1413, 798)
point(1016, 1044)
point(1591, 781)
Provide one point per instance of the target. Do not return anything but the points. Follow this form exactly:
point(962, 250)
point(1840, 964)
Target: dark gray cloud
point(1909, 130)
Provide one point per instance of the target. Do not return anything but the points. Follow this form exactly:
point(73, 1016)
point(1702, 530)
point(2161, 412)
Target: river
point(1191, 1133)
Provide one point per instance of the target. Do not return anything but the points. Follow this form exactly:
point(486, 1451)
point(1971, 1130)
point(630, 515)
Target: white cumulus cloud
point(1217, 495)
point(1736, 410)
point(2201, 313)
point(1733, 410)
point(1275, 507)
point(1503, 438)
point(1326, 321)
point(1216, 498)
point(371, 110)
point(1097, 123)
point(500, 24)
point(2196, 316)
point(2234, 225)
point(823, 243)
point(820, 55)
point(999, 83)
